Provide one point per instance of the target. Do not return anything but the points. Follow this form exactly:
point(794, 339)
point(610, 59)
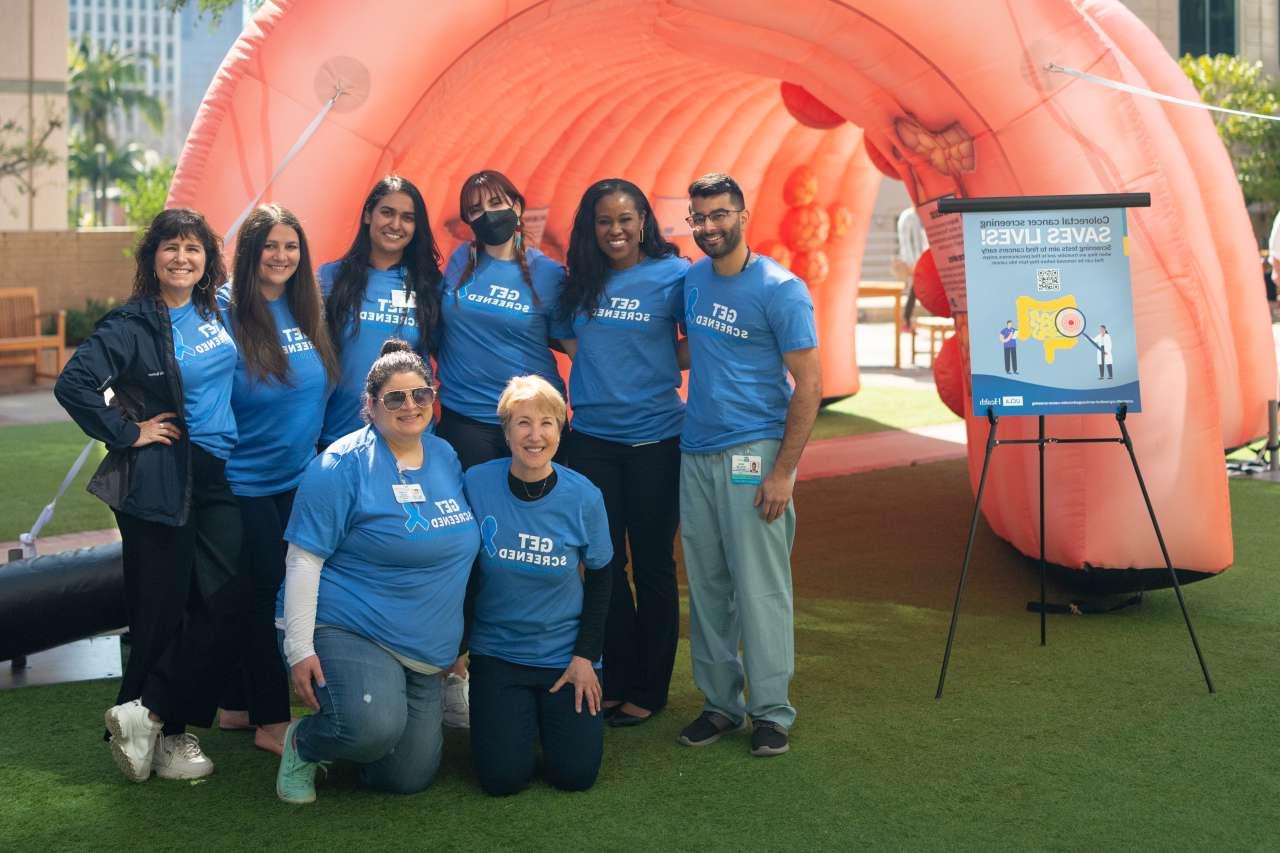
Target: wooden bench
point(936, 330)
point(21, 343)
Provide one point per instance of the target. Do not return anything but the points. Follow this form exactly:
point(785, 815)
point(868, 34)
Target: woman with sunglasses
point(617, 321)
point(381, 542)
point(496, 308)
point(168, 359)
point(283, 376)
point(387, 285)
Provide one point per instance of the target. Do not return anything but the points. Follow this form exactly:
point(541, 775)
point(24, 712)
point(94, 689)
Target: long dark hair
point(180, 222)
point(257, 336)
point(588, 265)
point(482, 184)
point(420, 263)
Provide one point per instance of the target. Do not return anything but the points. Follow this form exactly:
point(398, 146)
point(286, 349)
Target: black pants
point(474, 441)
point(183, 612)
point(259, 682)
point(1010, 359)
point(641, 487)
point(512, 711)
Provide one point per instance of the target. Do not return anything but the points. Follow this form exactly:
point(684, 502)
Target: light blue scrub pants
point(739, 571)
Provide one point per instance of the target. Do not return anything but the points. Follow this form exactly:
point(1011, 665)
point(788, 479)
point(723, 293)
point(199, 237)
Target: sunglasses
point(422, 398)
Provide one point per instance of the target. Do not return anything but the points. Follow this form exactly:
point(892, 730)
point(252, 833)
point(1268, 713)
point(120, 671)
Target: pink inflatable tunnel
point(320, 98)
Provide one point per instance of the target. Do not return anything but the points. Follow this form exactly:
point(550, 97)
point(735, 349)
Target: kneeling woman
point(381, 545)
point(538, 625)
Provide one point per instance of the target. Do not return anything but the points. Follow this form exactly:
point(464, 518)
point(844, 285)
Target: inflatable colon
point(947, 99)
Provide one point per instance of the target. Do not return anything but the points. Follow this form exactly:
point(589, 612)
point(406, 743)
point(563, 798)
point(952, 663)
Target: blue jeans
point(512, 710)
point(375, 713)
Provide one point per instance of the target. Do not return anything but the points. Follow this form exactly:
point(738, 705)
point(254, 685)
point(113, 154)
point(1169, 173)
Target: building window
point(1211, 33)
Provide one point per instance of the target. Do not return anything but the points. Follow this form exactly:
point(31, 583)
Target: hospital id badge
point(408, 493)
point(405, 299)
point(745, 469)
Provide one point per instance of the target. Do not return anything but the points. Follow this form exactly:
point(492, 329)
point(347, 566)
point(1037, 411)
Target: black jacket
point(131, 352)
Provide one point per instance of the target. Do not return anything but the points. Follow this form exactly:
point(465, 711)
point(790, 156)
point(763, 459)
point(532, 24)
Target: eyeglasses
point(717, 217)
point(422, 397)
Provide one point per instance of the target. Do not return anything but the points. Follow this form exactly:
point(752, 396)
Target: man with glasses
point(750, 322)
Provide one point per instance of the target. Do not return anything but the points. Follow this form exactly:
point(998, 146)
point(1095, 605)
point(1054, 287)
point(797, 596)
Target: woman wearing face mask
point(168, 430)
point(538, 621)
point(617, 320)
point(385, 286)
point(381, 542)
point(286, 367)
point(496, 308)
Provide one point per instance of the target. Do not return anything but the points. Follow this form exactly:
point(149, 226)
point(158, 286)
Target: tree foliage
point(1253, 143)
point(22, 150)
point(144, 196)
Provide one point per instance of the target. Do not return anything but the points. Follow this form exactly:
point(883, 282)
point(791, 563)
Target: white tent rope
point(288, 157)
point(28, 539)
point(1147, 93)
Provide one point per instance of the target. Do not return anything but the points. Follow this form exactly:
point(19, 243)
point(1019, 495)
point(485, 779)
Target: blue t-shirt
point(207, 361)
point(625, 382)
point(739, 326)
point(491, 329)
point(1009, 337)
point(395, 573)
point(279, 423)
point(384, 314)
point(528, 596)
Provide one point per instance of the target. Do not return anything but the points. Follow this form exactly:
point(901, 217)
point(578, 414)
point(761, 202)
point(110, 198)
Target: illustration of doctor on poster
point(1050, 312)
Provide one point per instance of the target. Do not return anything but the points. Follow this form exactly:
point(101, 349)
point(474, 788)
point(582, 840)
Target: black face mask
point(495, 227)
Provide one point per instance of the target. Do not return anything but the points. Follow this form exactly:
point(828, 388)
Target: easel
point(1041, 440)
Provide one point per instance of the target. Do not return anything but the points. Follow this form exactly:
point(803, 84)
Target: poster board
point(1051, 328)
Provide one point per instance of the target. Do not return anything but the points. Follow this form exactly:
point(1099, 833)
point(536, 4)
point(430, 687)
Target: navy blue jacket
point(131, 352)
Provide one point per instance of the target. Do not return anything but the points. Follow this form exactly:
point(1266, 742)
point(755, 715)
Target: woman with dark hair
point(169, 362)
point(496, 309)
point(617, 321)
point(387, 285)
point(286, 367)
point(381, 543)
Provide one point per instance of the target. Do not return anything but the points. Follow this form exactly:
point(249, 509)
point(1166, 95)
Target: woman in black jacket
point(168, 428)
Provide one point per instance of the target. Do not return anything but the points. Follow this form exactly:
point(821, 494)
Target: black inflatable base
point(60, 598)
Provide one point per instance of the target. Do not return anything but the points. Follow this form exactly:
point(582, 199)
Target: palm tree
point(102, 84)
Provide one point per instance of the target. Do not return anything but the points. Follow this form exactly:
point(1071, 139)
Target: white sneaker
point(457, 702)
point(180, 757)
point(133, 738)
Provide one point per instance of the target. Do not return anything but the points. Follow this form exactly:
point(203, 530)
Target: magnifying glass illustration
point(1069, 323)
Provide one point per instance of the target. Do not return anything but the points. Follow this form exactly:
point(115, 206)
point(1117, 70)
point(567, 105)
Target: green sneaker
point(296, 779)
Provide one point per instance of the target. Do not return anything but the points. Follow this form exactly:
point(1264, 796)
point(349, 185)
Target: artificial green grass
point(880, 407)
point(33, 460)
point(1104, 739)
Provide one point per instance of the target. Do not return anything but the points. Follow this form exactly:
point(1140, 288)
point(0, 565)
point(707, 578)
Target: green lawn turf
point(880, 407)
point(1104, 739)
point(33, 460)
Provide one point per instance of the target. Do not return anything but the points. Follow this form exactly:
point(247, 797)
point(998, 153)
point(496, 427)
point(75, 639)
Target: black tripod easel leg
point(1040, 448)
point(1177, 587)
point(992, 420)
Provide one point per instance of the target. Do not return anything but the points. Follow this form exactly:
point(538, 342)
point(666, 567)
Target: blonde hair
point(522, 389)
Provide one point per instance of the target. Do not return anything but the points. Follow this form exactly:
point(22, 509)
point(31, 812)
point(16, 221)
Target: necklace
point(745, 261)
point(546, 481)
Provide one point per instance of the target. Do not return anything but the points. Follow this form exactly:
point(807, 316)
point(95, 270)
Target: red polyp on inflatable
point(332, 95)
point(927, 285)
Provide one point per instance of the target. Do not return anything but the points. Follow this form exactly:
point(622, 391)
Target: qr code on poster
point(1047, 281)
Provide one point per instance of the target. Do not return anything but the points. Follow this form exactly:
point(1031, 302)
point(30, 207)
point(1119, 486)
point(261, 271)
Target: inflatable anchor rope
point(28, 539)
point(1147, 93)
point(293, 151)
